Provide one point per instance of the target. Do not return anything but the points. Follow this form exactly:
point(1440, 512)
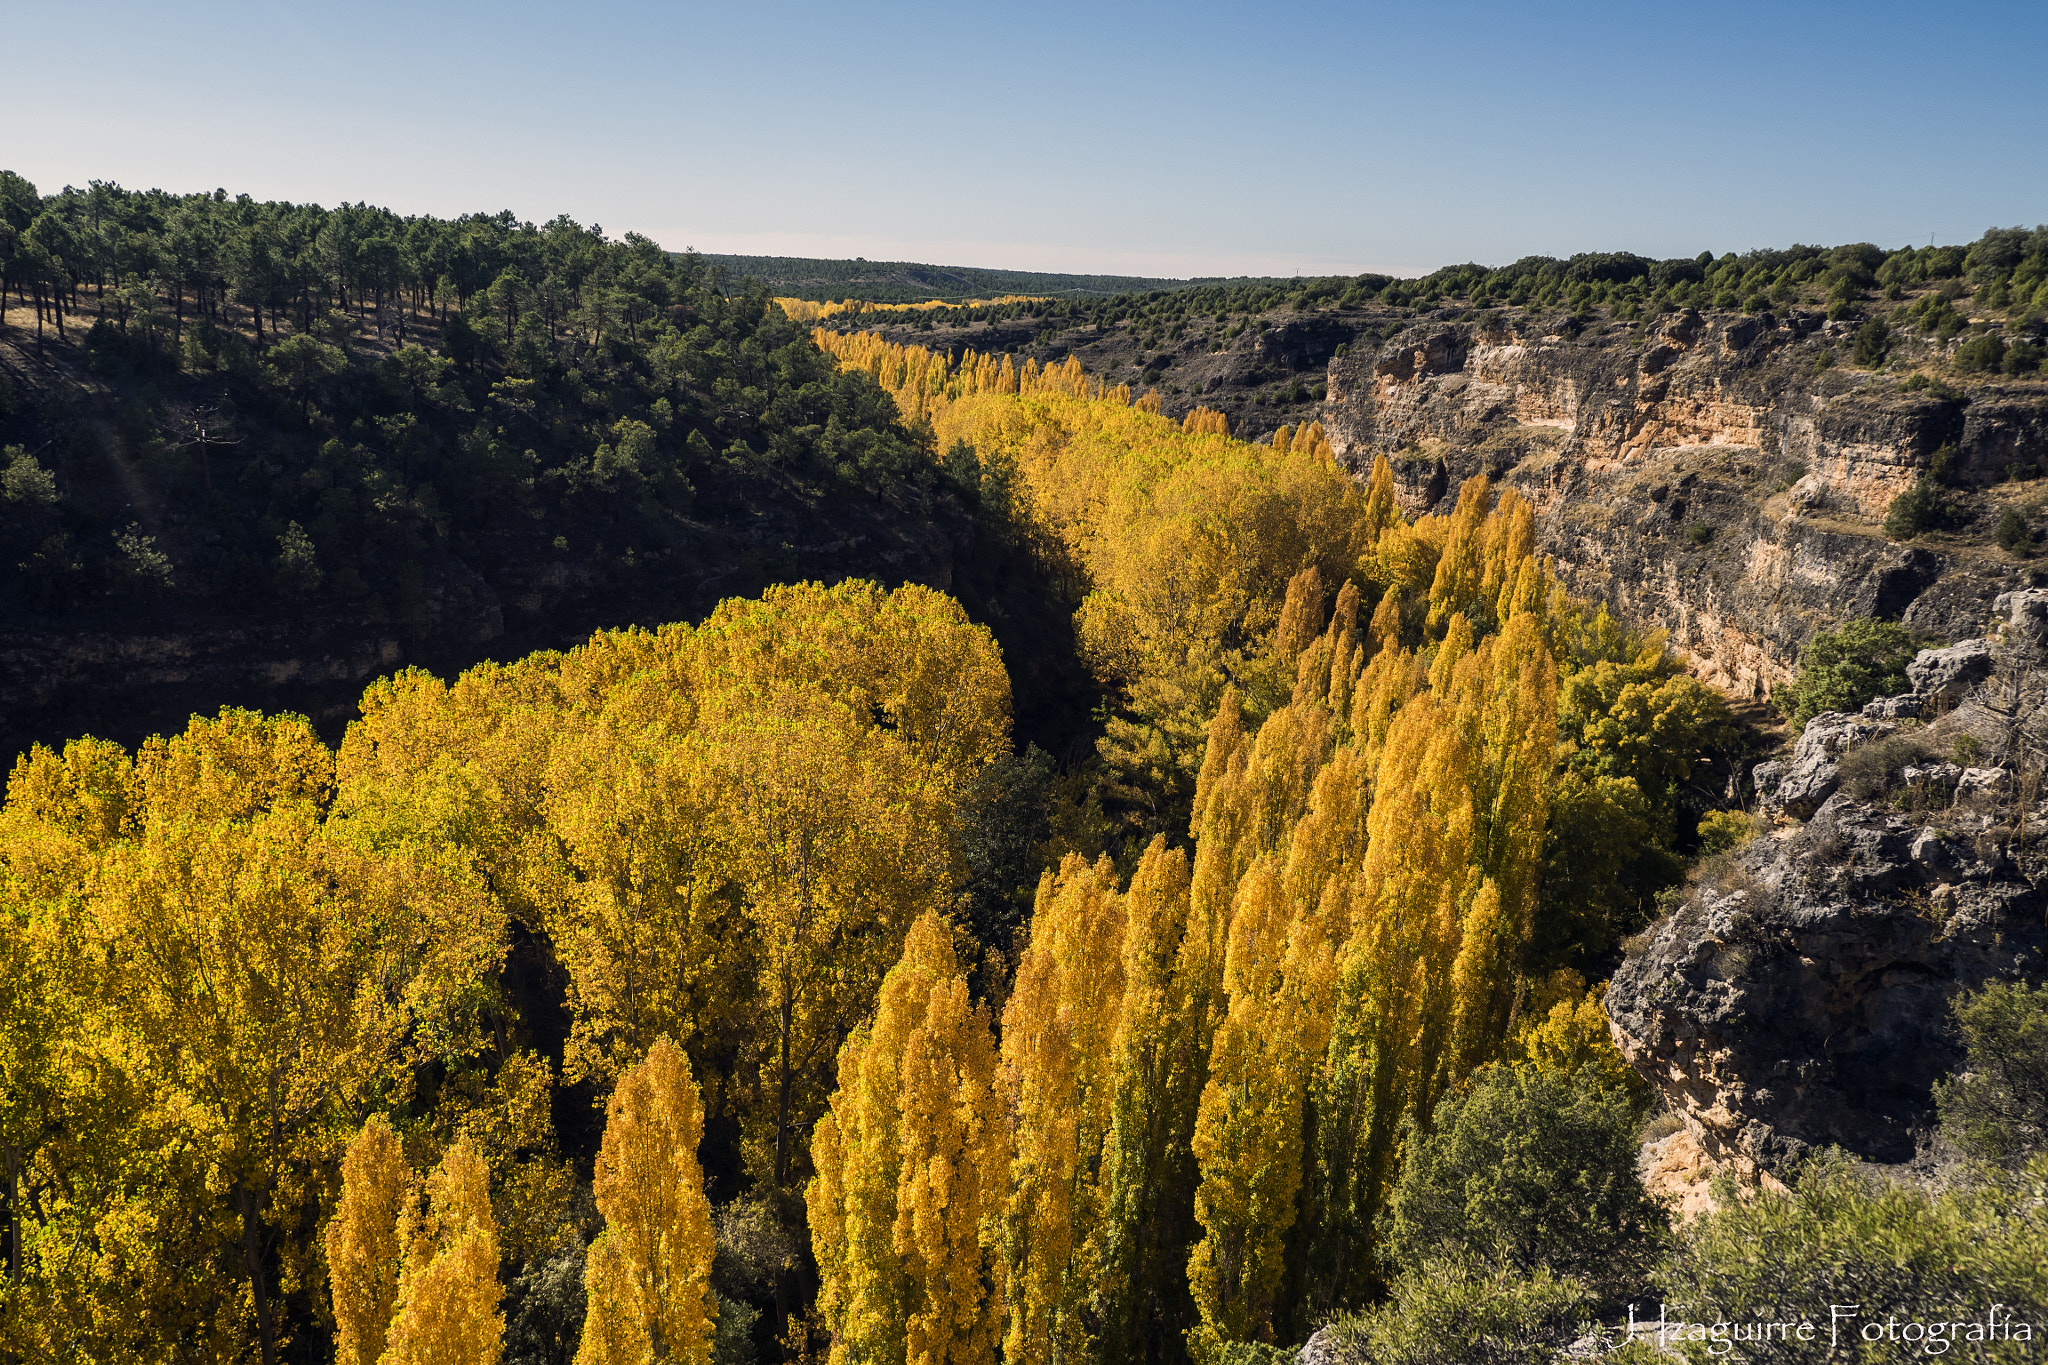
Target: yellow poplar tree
point(1156, 1060)
point(363, 1252)
point(448, 1291)
point(1057, 1081)
point(648, 1275)
point(909, 1159)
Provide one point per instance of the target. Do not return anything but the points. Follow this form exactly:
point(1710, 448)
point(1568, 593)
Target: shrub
point(1868, 771)
point(1723, 831)
point(1919, 508)
point(1884, 1251)
point(1445, 1313)
point(1873, 340)
point(1842, 669)
point(2023, 357)
point(1529, 1170)
point(1997, 1109)
point(1699, 533)
point(2014, 536)
point(1981, 354)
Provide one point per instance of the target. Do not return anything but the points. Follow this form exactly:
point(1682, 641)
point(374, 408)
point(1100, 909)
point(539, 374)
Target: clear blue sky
point(1147, 138)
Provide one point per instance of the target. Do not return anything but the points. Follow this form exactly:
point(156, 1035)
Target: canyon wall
point(1706, 475)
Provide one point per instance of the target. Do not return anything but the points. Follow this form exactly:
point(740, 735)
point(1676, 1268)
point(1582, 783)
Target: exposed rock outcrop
point(1800, 995)
point(1798, 788)
point(1702, 475)
point(1802, 998)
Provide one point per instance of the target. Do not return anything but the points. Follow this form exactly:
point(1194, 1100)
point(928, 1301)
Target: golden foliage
point(648, 1275)
point(448, 1290)
point(1372, 855)
point(1182, 538)
point(908, 1163)
point(804, 310)
point(363, 1252)
point(227, 948)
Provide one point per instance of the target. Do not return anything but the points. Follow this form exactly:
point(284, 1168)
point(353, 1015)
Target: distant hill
point(800, 277)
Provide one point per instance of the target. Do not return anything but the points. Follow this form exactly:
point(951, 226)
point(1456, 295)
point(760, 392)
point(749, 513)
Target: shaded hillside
point(256, 454)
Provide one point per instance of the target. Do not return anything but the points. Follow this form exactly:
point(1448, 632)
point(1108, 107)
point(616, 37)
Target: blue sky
point(1156, 139)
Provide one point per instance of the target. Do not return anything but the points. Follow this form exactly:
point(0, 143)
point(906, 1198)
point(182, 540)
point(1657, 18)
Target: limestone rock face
point(1802, 998)
point(1798, 788)
point(1698, 474)
point(2025, 615)
point(1943, 676)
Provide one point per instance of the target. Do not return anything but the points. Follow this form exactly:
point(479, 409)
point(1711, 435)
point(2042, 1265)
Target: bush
point(1868, 771)
point(1445, 1313)
point(1531, 1170)
point(1699, 533)
point(1722, 831)
point(1997, 1109)
point(2023, 357)
point(1883, 1251)
point(2014, 536)
point(1840, 670)
point(1919, 508)
point(1873, 340)
point(1981, 354)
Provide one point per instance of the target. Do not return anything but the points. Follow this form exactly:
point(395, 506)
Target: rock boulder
point(1803, 999)
point(1798, 788)
point(1942, 677)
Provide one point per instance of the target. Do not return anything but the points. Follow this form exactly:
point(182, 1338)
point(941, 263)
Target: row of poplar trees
point(1188, 1118)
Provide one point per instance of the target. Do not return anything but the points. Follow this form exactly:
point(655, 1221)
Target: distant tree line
point(2006, 268)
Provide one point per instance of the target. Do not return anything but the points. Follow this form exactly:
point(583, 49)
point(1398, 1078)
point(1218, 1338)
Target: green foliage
point(2014, 535)
point(1997, 1109)
point(1981, 354)
point(1452, 1313)
point(1919, 508)
point(1721, 831)
point(733, 1340)
point(1633, 725)
point(1889, 1251)
point(1840, 670)
point(1005, 813)
point(1529, 1170)
point(24, 481)
point(298, 566)
point(1251, 1353)
point(1699, 533)
point(414, 390)
point(544, 1309)
point(1873, 342)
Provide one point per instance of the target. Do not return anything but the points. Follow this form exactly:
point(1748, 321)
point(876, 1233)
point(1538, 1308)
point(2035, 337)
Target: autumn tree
point(364, 1256)
point(909, 1160)
point(448, 1290)
point(648, 1273)
point(1057, 1081)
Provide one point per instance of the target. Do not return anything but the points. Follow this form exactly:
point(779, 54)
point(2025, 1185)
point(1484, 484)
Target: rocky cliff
point(1799, 994)
point(1709, 474)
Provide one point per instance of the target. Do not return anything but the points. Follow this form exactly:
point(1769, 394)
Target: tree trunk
point(12, 1193)
point(259, 1279)
point(783, 1082)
